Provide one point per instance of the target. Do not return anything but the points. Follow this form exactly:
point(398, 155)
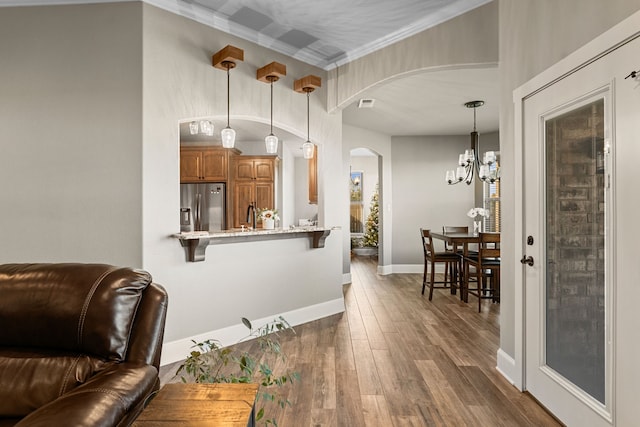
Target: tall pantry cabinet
point(253, 184)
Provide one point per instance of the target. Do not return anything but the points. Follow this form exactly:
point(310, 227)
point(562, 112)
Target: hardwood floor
point(396, 359)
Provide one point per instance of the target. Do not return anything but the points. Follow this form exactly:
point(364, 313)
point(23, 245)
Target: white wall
point(70, 136)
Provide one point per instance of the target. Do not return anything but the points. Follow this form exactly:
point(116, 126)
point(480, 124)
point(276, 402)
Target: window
point(492, 203)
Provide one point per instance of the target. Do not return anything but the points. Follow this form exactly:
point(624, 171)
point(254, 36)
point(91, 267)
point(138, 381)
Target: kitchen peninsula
point(195, 243)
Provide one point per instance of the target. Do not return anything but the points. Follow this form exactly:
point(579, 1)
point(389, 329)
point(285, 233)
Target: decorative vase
point(477, 227)
point(268, 223)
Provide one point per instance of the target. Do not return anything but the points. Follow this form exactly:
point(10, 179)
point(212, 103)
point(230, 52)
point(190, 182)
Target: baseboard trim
point(175, 351)
point(384, 270)
point(507, 367)
point(346, 278)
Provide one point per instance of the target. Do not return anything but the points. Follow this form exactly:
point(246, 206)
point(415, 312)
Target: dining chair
point(484, 268)
point(455, 269)
point(431, 258)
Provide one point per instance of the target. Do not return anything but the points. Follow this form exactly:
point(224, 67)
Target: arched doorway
point(364, 200)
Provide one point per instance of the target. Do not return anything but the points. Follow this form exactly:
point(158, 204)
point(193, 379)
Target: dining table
point(459, 240)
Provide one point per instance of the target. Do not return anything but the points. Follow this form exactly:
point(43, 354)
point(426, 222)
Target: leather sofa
point(80, 344)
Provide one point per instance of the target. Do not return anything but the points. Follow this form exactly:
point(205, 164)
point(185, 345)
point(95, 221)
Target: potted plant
point(269, 218)
point(209, 362)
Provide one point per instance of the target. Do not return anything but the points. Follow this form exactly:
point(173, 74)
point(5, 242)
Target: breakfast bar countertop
point(196, 242)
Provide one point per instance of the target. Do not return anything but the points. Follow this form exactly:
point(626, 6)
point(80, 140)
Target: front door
point(568, 147)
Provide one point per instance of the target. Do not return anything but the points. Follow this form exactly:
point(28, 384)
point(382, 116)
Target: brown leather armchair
point(80, 344)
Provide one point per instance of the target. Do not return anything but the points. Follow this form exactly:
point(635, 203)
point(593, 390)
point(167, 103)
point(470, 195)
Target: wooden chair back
point(427, 243)
point(489, 246)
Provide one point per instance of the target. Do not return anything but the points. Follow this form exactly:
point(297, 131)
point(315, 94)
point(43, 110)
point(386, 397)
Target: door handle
point(527, 260)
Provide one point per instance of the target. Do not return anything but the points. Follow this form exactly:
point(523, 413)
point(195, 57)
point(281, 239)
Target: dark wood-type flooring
point(394, 358)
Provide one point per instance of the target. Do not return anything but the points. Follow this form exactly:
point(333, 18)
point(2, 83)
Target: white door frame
point(611, 39)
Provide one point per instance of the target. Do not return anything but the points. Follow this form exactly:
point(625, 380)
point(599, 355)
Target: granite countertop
point(196, 242)
point(236, 232)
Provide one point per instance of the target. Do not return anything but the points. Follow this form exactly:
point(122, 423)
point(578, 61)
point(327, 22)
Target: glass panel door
point(574, 286)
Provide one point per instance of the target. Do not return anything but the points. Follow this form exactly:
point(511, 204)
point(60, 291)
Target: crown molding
point(220, 22)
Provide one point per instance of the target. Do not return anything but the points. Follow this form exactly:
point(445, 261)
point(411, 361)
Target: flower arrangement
point(477, 223)
point(476, 212)
point(267, 213)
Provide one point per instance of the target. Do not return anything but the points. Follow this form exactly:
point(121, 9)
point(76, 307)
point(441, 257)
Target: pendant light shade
point(307, 150)
point(271, 143)
point(204, 127)
point(307, 85)
point(228, 137)
point(225, 59)
point(271, 73)
point(307, 147)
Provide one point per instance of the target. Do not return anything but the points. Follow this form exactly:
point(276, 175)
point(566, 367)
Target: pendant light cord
point(474, 119)
point(308, 94)
point(228, 96)
point(271, 80)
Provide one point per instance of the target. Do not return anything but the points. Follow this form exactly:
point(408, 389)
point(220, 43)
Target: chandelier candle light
point(271, 73)
point(225, 59)
point(468, 162)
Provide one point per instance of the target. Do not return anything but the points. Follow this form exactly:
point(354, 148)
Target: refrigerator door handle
point(197, 212)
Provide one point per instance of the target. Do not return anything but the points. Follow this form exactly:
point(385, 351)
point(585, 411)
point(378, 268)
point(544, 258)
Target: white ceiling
point(328, 33)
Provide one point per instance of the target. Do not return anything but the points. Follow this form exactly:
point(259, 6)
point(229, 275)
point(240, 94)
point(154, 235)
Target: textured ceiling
point(324, 33)
point(328, 33)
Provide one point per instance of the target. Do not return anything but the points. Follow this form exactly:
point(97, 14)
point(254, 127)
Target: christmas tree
point(371, 227)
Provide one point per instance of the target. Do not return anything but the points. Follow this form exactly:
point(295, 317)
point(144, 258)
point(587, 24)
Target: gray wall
point(422, 198)
point(533, 36)
point(70, 134)
point(253, 280)
point(91, 98)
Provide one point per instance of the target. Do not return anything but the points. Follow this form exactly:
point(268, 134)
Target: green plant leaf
point(260, 414)
point(247, 323)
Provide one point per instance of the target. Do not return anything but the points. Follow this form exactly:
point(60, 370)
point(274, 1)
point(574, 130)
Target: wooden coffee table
point(228, 405)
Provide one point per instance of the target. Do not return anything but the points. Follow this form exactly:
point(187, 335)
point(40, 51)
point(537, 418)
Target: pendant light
point(307, 85)
point(225, 59)
point(204, 127)
point(271, 73)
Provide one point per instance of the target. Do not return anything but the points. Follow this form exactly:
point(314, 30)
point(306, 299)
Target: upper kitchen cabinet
point(204, 164)
point(256, 168)
point(313, 177)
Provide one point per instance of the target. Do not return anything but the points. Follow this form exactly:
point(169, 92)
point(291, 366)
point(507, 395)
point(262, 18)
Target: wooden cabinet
point(253, 168)
point(313, 177)
point(253, 183)
point(203, 164)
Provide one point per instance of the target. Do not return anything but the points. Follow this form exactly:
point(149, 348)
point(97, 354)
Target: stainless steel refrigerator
point(202, 207)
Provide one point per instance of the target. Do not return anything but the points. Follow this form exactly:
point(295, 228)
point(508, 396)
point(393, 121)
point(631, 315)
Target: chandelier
point(487, 168)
